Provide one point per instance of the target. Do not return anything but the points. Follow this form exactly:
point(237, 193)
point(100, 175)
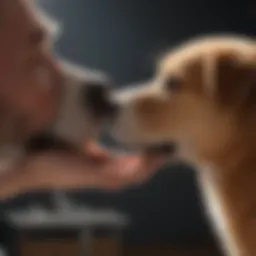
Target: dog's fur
point(204, 99)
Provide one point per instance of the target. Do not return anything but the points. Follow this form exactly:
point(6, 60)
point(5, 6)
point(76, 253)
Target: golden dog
point(203, 98)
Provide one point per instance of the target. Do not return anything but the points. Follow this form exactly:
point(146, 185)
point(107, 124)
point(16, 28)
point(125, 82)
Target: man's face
point(29, 77)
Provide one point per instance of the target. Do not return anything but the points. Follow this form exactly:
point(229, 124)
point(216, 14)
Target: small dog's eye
point(173, 84)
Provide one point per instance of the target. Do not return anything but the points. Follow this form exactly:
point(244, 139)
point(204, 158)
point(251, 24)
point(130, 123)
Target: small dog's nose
point(97, 99)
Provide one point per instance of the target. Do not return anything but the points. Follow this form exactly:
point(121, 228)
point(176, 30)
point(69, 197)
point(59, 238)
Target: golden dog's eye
point(173, 84)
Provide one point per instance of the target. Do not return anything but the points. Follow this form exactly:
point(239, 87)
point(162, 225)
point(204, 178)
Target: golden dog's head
point(201, 92)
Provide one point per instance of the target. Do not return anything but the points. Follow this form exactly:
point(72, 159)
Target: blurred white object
point(75, 218)
point(2, 252)
point(67, 215)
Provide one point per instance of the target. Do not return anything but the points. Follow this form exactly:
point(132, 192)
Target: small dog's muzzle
point(97, 99)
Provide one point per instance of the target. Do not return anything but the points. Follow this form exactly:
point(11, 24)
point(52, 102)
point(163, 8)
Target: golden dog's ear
point(235, 80)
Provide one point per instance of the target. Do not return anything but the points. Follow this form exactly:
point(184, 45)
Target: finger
point(95, 151)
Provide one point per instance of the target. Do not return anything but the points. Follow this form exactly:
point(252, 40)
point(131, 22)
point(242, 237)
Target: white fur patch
point(215, 210)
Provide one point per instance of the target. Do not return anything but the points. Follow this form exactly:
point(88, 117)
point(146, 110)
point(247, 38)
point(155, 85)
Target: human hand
point(95, 168)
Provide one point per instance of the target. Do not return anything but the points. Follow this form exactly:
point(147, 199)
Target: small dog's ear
point(235, 80)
